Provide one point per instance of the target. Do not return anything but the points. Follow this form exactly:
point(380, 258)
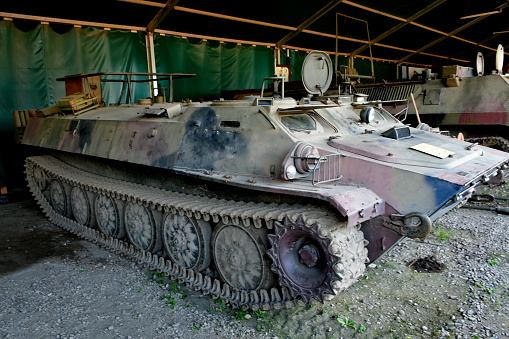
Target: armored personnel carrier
point(265, 202)
point(463, 100)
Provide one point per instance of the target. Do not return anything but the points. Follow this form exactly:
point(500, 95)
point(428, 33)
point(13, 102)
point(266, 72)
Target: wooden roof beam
point(185, 35)
point(308, 22)
point(211, 14)
point(480, 44)
point(447, 35)
point(163, 12)
point(452, 34)
point(399, 26)
point(303, 30)
point(71, 22)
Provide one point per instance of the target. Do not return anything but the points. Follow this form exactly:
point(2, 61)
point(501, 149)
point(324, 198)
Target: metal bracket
point(73, 127)
point(411, 225)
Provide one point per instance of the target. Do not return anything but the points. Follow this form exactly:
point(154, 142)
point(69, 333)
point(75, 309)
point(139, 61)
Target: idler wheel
point(107, 216)
point(80, 206)
point(239, 255)
point(187, 241)
point(58, 197)
point(140, 226)
point(314, 264)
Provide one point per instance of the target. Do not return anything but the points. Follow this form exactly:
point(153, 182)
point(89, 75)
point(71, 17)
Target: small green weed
point(346, 303)
point(442, 234)
point(221, 307)
point(158, 275)
point(240, 315)
point(170, 301)
point(260, 328)
point(173, 286)
point(347, 322)
point(490, 291)
point(392, 265)
point(498, 258)
point(493, 262)
point(260, 314)
point(296, 310)
point(485, 289)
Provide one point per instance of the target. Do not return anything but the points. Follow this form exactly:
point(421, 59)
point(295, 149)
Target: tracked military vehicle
point(463, 100)
point(265, 202)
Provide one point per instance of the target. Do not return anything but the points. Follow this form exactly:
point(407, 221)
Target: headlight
point(302, 159)
point(290, 172)
point(368, 114)
point(306, 158)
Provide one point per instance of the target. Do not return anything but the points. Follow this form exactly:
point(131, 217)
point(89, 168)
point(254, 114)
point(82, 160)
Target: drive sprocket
point(316, 262)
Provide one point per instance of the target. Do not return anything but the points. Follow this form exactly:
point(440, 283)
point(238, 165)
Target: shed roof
point(418, 32)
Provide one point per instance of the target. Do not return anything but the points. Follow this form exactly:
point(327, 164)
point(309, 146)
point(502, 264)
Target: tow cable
point(488, 198)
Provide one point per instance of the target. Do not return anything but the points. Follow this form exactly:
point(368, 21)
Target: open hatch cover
point(317, 72)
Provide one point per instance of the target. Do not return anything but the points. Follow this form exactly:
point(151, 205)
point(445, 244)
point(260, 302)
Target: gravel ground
point(54, 285)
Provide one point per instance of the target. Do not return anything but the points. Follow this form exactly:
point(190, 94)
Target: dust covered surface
point(55, 285)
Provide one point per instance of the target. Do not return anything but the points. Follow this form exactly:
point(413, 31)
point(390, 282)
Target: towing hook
point(407, 226)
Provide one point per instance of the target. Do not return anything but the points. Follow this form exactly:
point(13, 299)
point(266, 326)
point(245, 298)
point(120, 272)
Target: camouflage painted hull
point(296, 187)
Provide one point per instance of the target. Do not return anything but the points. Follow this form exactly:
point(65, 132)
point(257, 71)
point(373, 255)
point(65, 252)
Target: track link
point(41, 170)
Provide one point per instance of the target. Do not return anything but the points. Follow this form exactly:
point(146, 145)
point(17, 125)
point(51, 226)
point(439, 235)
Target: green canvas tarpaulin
point(218, 66)
point(34, 55)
